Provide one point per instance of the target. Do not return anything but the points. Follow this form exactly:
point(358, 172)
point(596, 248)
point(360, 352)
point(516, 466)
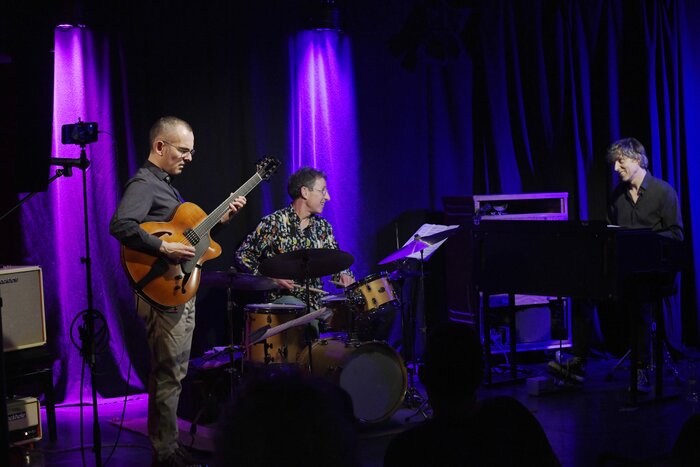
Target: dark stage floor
point(581, 424)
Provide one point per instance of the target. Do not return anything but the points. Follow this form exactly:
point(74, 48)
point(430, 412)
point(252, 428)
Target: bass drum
point(373, 373)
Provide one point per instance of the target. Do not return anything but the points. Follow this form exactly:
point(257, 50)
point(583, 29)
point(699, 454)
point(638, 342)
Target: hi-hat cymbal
point(237, 280)
point(306, 264)
point(418, 244)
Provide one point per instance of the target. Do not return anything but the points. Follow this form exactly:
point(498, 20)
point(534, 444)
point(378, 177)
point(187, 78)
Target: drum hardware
point(304, 265)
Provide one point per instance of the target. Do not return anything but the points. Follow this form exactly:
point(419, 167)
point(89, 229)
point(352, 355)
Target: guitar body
point(165, 284)
point(179, 282)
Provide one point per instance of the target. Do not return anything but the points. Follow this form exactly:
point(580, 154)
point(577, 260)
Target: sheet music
point(424, 231)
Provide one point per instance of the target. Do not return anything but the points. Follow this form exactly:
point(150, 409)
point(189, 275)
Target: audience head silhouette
point(465, 432)
point(453, 367)
point(686, 450)
point(288, 419)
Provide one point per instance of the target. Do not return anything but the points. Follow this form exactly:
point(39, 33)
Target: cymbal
point(237, 280)
point(306, 264)
point(418, 244)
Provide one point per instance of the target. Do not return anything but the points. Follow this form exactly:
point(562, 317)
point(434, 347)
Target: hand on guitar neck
point(233, 208)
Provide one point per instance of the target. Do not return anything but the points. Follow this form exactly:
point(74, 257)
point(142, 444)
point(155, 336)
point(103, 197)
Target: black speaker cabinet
point(23, 321)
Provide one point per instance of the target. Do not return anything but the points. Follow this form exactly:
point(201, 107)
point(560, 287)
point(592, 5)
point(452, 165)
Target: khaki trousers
point(169, 336)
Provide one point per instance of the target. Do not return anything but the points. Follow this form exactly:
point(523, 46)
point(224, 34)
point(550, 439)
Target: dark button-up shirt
point(280, 232)
point(657, 208)
point(148, 197)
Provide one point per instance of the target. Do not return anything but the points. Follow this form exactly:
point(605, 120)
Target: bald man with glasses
point(149, 196)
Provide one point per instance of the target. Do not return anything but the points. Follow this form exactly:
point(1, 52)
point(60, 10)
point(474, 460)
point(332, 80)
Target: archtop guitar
point(164, 283)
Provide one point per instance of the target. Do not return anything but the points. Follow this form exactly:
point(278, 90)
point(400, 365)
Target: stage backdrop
point(412, 102)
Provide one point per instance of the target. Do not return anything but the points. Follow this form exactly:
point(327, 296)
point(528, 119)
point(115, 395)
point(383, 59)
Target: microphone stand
point(87, 334)
point(67, 171)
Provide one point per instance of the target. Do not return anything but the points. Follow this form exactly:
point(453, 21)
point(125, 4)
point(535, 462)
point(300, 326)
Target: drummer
point(294, 227)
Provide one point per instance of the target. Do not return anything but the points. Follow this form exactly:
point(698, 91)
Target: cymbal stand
point(309, 340)
point(413, 396)
point(230, 308)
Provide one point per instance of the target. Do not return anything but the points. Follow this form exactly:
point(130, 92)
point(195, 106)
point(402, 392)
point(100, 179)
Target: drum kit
point(276, 335)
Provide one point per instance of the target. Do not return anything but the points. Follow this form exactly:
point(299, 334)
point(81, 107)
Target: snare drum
point(373, 292)
point(372, 373)
point(280, 348)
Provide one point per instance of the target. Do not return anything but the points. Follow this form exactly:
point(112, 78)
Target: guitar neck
point(213, 218)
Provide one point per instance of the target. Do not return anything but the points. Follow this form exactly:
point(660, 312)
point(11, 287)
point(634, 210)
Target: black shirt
point(656, 208)
point(148, 197)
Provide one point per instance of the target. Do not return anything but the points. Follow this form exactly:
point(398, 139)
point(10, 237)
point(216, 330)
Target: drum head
point(376, 380)
point(330, 299)
point(366, 280)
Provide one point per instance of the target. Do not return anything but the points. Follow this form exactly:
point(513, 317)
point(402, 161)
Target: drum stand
point(309, 327)
point(230, 308)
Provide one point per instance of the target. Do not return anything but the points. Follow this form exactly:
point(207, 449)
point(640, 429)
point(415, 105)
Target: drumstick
point(312, 289)
point(336, 283)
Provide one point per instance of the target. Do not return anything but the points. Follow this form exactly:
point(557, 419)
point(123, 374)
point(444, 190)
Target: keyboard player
point(640, 200)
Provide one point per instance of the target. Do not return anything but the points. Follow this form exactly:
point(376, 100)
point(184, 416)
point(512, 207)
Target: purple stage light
point(323, 130)
point(53, 223)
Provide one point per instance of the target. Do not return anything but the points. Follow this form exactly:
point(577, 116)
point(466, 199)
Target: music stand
point(421, 247)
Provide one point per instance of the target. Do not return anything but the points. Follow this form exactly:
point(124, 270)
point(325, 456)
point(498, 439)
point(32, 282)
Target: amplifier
point(23, 319)
point(23, 420)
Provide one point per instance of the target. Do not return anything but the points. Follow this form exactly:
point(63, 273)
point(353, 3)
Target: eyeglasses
point(324, 191)
point(183, 151)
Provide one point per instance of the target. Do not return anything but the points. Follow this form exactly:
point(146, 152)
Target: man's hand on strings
point(177, 251)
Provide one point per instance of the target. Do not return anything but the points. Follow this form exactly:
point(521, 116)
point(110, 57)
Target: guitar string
point(207, 224)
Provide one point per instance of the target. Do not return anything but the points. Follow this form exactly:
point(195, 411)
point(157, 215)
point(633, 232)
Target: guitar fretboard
point(213, 218)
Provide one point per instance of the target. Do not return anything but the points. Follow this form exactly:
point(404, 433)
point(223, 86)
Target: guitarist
point(150, 196)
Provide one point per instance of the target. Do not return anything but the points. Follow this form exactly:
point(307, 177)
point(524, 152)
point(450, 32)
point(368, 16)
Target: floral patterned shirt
point(280, 232)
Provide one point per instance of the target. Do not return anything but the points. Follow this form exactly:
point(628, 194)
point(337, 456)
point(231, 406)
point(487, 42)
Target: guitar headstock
point(267, 166)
